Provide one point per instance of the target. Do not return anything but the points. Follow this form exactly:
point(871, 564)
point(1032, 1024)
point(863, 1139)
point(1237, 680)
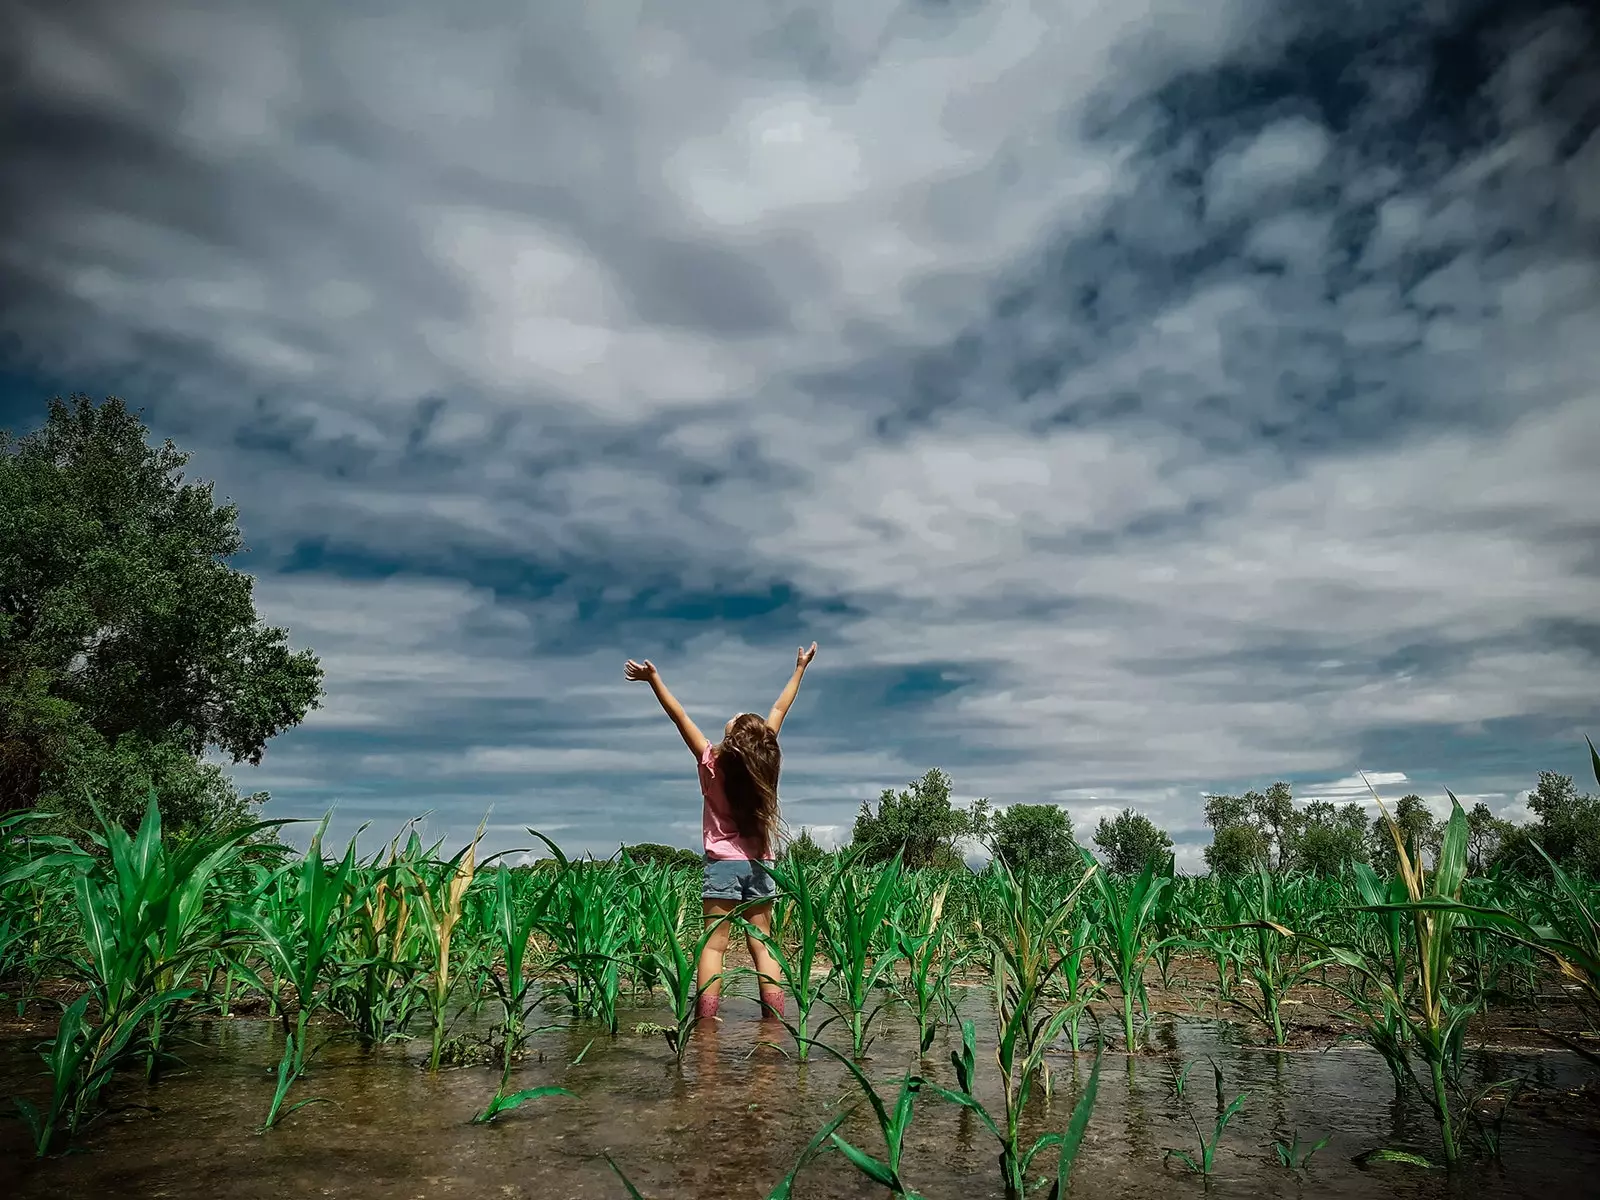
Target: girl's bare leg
point(708, 974)
point(766, 966)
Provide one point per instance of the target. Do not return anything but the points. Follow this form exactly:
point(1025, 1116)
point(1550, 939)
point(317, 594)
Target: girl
point(739, 821)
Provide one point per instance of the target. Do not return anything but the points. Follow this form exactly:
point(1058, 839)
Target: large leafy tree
point(129, 646)
point(1033, 837)
point(920, 821)
point(1566, 827)
point(1130, 840)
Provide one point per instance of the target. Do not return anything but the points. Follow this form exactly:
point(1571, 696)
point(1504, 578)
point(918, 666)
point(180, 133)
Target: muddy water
point(730, 1122)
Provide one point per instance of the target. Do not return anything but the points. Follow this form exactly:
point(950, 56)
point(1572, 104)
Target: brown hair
point(748, 759)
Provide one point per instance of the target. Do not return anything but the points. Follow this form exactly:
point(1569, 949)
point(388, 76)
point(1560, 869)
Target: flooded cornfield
point(731, 1119)
point(203, 1017)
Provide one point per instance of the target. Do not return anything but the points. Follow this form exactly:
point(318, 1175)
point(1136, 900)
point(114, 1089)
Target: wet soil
point(730, 1121)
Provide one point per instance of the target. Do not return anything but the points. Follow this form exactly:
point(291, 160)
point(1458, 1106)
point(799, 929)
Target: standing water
point(732, 1119)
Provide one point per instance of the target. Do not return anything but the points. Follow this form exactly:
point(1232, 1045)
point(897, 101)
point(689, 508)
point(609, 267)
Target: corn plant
point(298, 937)
point(141, 907)
point(441, 889)
point(1015, 1160)
point(1432, 1005)
point(892, 1124)
point(1072, 986)
point(794, 947)
point(862, 958)
point(676, 967)
point(503, 1102)
point(587, 920)
point(378, 995)
point(1295, 1155)
point(1203, 1161)
point(930, 960)
point(1126, 934)
point(512, 928)
point(1270, 956)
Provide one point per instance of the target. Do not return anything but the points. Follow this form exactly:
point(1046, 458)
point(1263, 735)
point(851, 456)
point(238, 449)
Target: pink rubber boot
point(771, 1002)
point(706, 1006)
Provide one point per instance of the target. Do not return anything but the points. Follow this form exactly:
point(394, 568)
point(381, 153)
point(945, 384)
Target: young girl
point(739, 820)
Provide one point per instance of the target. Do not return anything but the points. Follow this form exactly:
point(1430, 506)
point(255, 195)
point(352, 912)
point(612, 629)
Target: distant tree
point(1129, 840)
point(1330, 837)
point(921, 821)
point(655, 853)
point(1275, 816)
point(805, 850)
point(129, 646)
point(1235, 850)
point(1567, 828)
point(1033, 837)
point(1418, 830)
point(1237, 844)
point(1485, 833)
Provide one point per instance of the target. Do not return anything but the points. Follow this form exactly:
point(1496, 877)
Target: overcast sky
point(1133, 399)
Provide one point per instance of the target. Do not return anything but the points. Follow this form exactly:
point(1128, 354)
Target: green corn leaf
point(866, 1164)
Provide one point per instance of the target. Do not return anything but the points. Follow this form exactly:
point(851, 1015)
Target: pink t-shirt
point(721, 831)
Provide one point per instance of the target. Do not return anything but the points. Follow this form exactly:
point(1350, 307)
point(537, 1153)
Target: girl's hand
point(637, 671)
point(802, 658)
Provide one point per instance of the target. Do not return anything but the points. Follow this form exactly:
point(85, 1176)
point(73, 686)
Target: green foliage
point(129, 646)
point(1567, 829)
point(1264, 829)
point(656, 854)
point(920, 824)
point(1033, 837)
point(1130, 840)
point(804, 850)
point(1330, 838)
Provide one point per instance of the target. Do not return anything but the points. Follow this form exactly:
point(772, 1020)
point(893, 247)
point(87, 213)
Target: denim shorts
point(737, 879)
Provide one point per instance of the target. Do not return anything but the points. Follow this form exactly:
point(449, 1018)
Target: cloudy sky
point(1133, 399)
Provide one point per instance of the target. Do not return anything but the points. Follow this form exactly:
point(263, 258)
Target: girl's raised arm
point(692, 737)
point(780, 708)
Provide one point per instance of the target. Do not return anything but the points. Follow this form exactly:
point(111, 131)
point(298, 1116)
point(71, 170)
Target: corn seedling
point(856, 920)
point(1432, 1005)
point(1015, 1160)
point(590, 925)
point(1271, 958)
point(1295, 1155)
point(929, 964)
point(796, 954)
point(893, 1124)
point(1203, 1161)
point(440, 894)
point(1126, 933)
point(299, 943)
point(676, 967)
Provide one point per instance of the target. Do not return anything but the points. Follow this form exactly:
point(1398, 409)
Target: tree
point(1275, 816)
point(129, 646)
point(1033, 837)
point(804, 850)
point(1485, 833)
point(1237, 843)
point(656, 853)
point(1567, 829)
point(1330, 837)
point(1130, 840)
point(1418, 830)
point(921, 821)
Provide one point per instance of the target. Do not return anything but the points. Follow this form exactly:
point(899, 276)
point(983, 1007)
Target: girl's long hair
point(749, 762)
